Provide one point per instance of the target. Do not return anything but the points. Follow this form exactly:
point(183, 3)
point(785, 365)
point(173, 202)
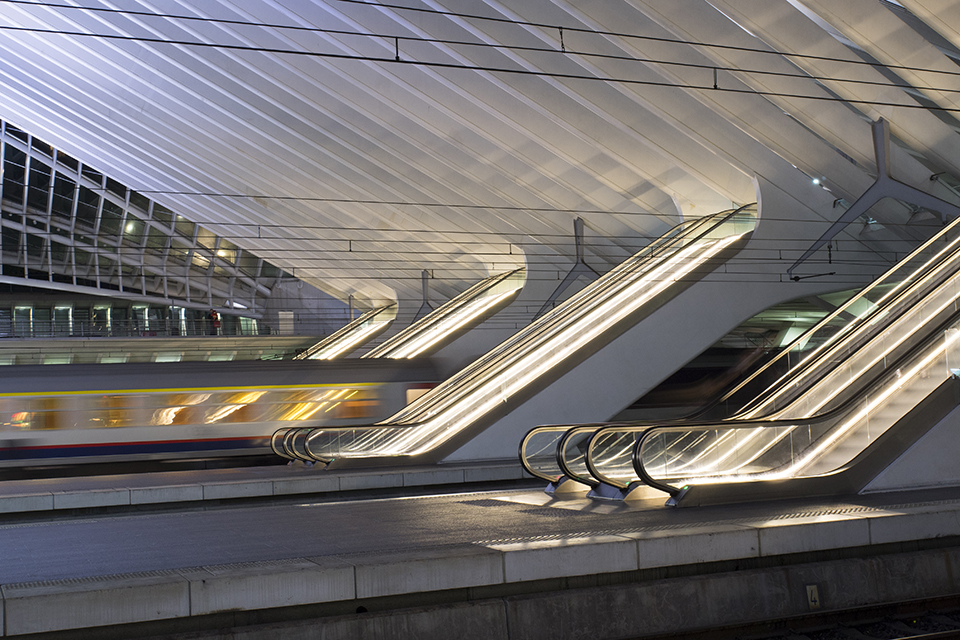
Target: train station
point(349, 319)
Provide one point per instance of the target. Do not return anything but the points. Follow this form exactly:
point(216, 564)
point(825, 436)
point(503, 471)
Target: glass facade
point(79, 318)
point(64, 222)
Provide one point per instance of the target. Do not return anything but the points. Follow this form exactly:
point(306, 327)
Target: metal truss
point(68, 226)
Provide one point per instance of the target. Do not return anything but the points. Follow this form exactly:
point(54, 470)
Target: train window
point(48, 414)
point(123, 410)
point(362, 404)
point(89, 411)
point(32, 414)
point(237, 407)
point(15, 414)
point(176, 408)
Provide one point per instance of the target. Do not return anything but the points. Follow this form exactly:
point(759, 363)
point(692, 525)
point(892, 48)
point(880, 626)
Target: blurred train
point(69, 414)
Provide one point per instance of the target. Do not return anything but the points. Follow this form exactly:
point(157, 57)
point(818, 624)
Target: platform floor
point(111, 544)
point(69, 569)
point(107, 544)
point(204, 486)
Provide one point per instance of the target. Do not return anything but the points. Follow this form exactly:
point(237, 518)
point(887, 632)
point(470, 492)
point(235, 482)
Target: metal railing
point(121, 329)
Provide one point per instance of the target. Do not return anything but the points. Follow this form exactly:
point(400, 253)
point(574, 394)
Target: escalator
point(830, 365)
point(353, 335)
point(834, 453)
point(500, 381)
point(454, 318)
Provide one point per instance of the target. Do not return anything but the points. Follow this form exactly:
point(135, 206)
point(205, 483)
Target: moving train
point(68, 414)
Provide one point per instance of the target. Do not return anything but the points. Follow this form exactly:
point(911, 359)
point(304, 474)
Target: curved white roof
point(319, 151)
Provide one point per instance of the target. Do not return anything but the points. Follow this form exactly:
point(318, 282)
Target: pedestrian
point(214, 319)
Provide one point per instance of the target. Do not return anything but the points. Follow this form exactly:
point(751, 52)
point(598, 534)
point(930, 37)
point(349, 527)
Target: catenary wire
point(483, 68)
point(454, 14)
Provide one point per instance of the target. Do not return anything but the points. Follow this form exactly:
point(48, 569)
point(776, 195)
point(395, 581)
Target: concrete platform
point(512, 564)
point(177, 487)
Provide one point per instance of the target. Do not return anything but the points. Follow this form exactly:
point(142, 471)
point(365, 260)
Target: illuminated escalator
point(872, 342)
point(454, 318)
point(835, 452)
point(553, 344)
point(353, 335)
point(425, 336)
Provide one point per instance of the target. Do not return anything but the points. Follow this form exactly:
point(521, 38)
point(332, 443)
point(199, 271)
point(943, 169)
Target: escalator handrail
point(523, 445)
point(584, 299)
point(952, 279)
point(280, 451)
point(712, 224)
point(594, 470)
point(562, 461)
point(548, 428)
point(837, 348)
point(564, 428)
point(942, 257)
point(648, 431)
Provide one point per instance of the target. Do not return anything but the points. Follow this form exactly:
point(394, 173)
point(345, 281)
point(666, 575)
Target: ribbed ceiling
point(371, 170)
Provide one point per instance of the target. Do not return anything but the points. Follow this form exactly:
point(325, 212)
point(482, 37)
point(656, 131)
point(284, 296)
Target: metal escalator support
point(886, 186)
point(497, 383)
point(580, 269)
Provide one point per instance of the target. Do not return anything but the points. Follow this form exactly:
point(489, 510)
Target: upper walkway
point(151, 349)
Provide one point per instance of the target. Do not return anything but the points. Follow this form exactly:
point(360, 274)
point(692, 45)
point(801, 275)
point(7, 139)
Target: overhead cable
point(396, 59)
point(467, 16)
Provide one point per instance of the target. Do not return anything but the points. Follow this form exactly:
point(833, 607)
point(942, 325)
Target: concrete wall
point(314, 312)
point(931, 462)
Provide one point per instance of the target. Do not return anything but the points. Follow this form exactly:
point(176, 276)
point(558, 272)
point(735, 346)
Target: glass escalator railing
point(538, 453)
point(762, 450)
point(353, 335)
point(833, 360)
point(899, 297)
point(572, 455)
point(543, 350)
point(454, 317)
